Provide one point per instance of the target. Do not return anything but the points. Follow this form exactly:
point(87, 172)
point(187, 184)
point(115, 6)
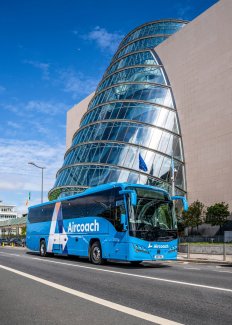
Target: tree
point(23, 231)
point(195, 215)
point(217, 214)
point(180, 222)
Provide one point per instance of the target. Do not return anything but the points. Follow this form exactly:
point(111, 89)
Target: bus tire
point(43, 248)
point(96, 253)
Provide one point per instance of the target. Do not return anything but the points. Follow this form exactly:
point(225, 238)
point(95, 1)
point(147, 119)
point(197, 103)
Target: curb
point(203, 261)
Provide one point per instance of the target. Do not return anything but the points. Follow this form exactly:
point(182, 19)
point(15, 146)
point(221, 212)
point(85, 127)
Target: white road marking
point(128, 274)
point(106, 303)
point(224, 271)
point(191, 268)
point(18, 255)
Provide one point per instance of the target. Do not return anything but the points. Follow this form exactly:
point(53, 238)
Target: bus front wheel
point(96, 253)
point(43, 248)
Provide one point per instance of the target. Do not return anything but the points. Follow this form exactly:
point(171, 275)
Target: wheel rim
point(42, 249)
point(96, 254)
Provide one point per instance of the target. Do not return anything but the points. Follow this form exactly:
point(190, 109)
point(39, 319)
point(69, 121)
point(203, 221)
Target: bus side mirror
point(133, 195)
point(183, 199)
point(123, 222)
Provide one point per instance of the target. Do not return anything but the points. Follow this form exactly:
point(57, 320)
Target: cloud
point(44, 67)
point(78, 84)
point(106, 41)
point(16, 174)
point(2, 89)
point(45, 107)
point(36, 106)
point(14, 125)
point(183, 9)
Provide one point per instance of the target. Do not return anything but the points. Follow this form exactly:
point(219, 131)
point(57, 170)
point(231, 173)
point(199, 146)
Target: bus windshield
point(153, 216)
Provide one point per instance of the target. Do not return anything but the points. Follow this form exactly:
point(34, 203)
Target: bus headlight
point(139, 248)
point(172, 249)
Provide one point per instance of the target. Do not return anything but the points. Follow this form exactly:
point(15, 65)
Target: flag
point(28, 199)
point(142, 164)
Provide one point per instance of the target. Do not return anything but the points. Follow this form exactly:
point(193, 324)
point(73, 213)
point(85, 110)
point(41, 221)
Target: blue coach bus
point(116, 221)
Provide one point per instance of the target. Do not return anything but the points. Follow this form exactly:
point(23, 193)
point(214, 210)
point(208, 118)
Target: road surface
point(68, 290)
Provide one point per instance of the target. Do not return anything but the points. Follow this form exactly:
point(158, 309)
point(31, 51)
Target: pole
point(139, 169)
point(42, 187)
point(42, 168)
point(173, 177)
point(224, 251)
point(188, 251)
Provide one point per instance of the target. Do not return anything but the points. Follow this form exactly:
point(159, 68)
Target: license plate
point(159, 257)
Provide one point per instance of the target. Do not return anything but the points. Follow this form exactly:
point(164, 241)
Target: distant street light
point(42, 168)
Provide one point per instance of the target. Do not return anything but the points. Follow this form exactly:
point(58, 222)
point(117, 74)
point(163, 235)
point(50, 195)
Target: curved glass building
point(132, 113)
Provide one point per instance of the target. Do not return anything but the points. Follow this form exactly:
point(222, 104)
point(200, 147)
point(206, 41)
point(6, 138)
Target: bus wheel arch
point(43, 248)
point(95, 252)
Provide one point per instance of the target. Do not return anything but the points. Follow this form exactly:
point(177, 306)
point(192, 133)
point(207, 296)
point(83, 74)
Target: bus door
point(118, 247)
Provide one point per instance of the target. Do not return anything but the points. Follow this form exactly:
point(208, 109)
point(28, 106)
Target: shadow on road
point(108, 264)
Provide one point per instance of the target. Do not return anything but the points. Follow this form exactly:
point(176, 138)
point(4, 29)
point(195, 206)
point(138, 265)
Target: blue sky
point(53, 54)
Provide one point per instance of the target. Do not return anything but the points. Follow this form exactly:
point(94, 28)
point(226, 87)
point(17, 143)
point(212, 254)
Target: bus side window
point(74, 208)
point(41, 213)
point(100, 205)
point(117, 218)
point(118, 211)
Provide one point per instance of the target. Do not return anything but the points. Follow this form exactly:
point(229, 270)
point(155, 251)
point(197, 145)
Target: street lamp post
point(42, 168)
point(173, 176)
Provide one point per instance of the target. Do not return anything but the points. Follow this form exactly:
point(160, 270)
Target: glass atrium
point(132, 112)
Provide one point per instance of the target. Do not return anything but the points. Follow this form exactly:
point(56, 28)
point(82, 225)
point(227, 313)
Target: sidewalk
point(204, 258)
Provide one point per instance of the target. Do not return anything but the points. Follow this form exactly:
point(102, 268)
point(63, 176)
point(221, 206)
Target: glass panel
point(149, 92)
point(130, 157)
point(164, 141)
point(146, 74)
point(165, 170)
point(141, 112)
point(140, 45)
point(123, 176)
point(134, 59)
point(105, 154)
point(155, 28)
point(155, 139)
point(107, 131)
point(133, 178)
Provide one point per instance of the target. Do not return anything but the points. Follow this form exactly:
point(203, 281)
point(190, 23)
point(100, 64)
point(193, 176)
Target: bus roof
point(99, 188)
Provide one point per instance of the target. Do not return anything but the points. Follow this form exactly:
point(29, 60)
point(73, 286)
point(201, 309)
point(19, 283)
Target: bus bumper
point(159, 251)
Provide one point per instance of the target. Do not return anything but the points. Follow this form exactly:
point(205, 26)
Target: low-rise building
point(7, 211)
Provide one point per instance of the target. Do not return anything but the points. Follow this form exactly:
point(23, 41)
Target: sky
point(53, 54)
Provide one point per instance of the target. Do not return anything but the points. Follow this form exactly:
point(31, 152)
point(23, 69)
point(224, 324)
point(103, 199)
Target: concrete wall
point(198, 61)
point(207, 249)
point(74, 116)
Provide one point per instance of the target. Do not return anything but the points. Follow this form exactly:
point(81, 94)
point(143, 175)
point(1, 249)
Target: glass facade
point(132, 112)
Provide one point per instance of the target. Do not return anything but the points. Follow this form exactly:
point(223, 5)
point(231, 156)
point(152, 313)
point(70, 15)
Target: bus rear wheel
point(43, 248)
point(96, 253)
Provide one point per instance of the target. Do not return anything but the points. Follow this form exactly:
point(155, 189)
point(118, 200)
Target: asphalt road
point(65, 290)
